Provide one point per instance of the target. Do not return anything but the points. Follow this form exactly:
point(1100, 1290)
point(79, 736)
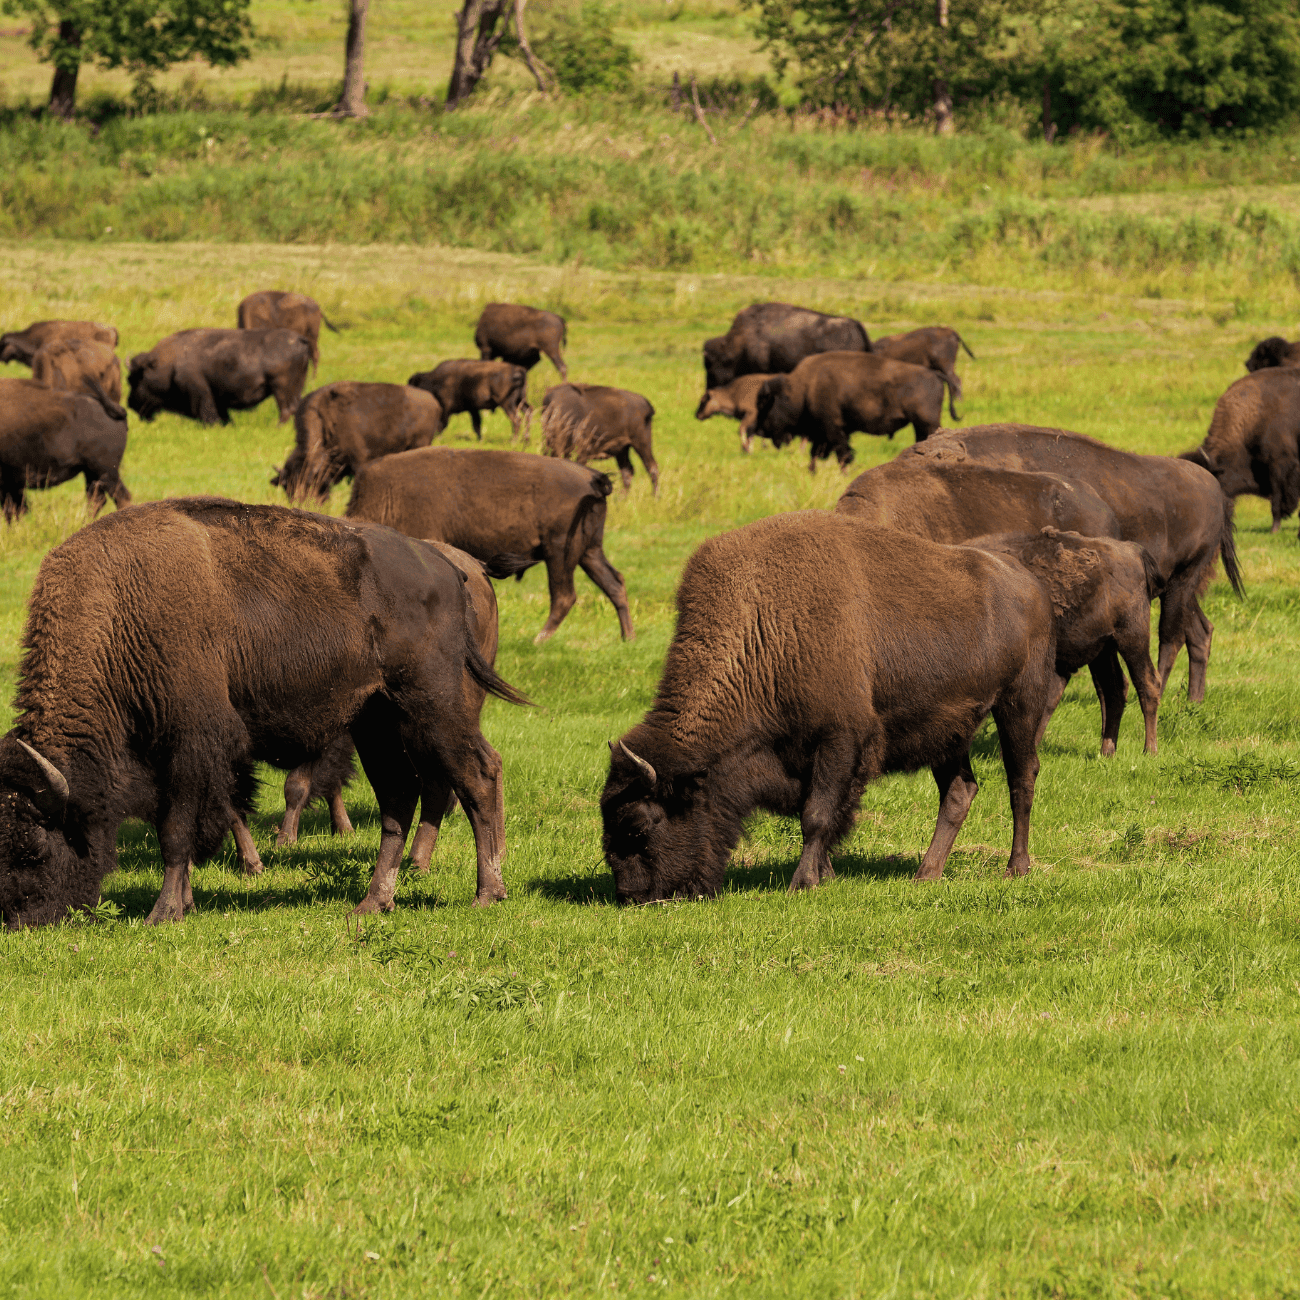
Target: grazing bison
point(340, 427)
point(506, 508)
point(477, 386)
point(935, 347)
point(773, 337)
point(23, 345)
point(1253, 446)
point(834, 394)
point(48, 437)
point(521, 336)
point(1171, 507)
point(170, 646)
point(1101, 592)
point(812, 655)
point(273, 309)
point(582, 422)
point(1273, 351)
point(206, 374)
point(75, 365)
point(739, 400)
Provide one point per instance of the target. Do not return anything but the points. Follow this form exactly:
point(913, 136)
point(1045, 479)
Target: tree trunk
point(943, 123)
point(477, 39)
point(1049, 127)
point(352, 103)
point(63, 90)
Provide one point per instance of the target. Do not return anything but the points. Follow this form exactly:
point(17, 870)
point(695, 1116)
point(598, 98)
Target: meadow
point(1082, 1083)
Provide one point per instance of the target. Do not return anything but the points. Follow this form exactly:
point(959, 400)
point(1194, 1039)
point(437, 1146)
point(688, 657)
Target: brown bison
point(582, 422)
point(340, 427)
point(206, 374)
point(48, 437)
point(773, 337)
point(165, 653)
point(477, 386)
point(1273, 351)
point(1101, 592)
point(506, 508)
point(23, 345)
point(521, 336)
point(273, 309)
point(935, 347)
point(1172, 508)
point(739, 400)
point(834, 394)
point(813, 654)
point(1253, 446)
point(75, 365)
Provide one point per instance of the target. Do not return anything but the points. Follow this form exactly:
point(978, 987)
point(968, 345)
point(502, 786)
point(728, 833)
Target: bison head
point(43, 856)
point(664, 838)
point(1275, 351)
point(719, 362)
point(709, 406)
point(778, 412)
point(9, 350)
point(149, 384)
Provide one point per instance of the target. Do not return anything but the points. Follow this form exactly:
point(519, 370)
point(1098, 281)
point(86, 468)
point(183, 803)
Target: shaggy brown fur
point(48, 437)
point(812, 655)
point(273, 309)
point(739, 400)
point(582, 422)
point(772, 338)
point(23, 345)
point(75, 365)
point(1273, 351)
point(1253, 445)
point(521, 335)
point(477, 386)
point(340, 427)
point(170, 646)
point(935, 346)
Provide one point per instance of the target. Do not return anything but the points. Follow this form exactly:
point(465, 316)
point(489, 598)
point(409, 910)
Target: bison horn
point(56, 782)
point(642, 766)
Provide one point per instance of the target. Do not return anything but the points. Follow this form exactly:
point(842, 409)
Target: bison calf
point(773, 338)
point(934, 346)
point(273, 309)
point(739, 400)
point(583, 422)
point(812, 655)
point(477, 386)
point(521, 335)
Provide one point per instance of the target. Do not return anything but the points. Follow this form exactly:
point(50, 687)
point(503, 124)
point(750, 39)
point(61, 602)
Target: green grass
point(1079, 1084)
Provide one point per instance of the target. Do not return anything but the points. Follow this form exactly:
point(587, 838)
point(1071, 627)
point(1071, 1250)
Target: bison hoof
point(1108, 749)
point(486, 897)
point(1016, 869)
point(925, 875)
point(372, 906)
point(542, 637)
point(164, 912)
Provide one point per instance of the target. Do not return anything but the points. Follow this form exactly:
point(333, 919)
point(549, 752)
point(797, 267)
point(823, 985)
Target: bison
point(739, 400)
point(1253, 445)
point(75, 365)
point(773, 337)
point(170, 646)
point(1101, 592)
point(1171, 507)
point(506, 508)
point(340, 427)
point(273, 309)
point(23, 345)
point(205, 373)
point(831, 395)
point(813, 654)
point(521, 336)
point(477, 386)
point(935, 347)
point(1273, 351)
point(583, 422)
point(48, 437)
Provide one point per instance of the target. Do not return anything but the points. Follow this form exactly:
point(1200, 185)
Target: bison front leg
point(1112, 694)
point(436, 801)
point(203, 406)
point(1017, 722)
point(957, 791)
point(175, 835)
point(476, 419)
point(624, 461)
point(827, 815)
point(245, 846)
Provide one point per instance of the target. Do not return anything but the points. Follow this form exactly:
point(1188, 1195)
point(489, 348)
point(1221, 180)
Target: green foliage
point(580, 47)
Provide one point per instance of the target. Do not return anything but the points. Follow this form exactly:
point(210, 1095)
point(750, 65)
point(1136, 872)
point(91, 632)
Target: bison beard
point(812, 655)
point(170, 646)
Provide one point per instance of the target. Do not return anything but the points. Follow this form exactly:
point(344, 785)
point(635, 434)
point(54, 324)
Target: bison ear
point(25, 769)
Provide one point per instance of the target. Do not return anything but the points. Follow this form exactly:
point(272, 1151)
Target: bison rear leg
point(1017, 721)
point(651, 468)
point(957, 791)
point(476, 419)
point(827, 814)
point(559, 579)
point(1056, 690)
point(297, 795)
point(598, 568)
point(1112, 694)
point(397, 789)
point(436, 800)
point(246, 848)
point(102, 485)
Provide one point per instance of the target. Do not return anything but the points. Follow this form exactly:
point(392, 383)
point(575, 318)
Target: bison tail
point(1228, 547)
point(1155, 582)
point(486, 676)
point(507, 565)
point(966, 345)
point(329, 324)
point(114, 410)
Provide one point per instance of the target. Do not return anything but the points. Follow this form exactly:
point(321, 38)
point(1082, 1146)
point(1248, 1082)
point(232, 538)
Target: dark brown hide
point(584, 422)
point(342, 426)
point(739, 400)
point(273, 309)
point(23, 345)
point(206, 374)
point(521, 335)
point(773, 337)
point(171, 645)
point(813, 654)
point(1273, 351)
point(1253, 446)
point(506, 508)
point(834, 394)
point(1163, 504)
point(1101, 592)
point(935, 347)
point(476, 386)
point(48, 437)
point(75, 365)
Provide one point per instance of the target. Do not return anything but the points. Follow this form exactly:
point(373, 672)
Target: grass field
point(1079, 1084)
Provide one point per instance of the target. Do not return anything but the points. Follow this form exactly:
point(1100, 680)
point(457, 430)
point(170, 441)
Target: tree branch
point(699, 112)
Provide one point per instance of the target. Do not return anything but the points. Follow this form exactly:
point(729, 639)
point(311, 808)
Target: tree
point(143, 36)
point(481, 26)
point(352, 102)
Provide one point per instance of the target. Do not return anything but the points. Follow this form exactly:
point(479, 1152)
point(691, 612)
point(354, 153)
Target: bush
point(579, 47)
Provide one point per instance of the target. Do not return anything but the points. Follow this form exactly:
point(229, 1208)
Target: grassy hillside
point(1082, 1083)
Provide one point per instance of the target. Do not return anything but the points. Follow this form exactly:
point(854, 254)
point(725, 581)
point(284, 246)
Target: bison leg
point(827, 813)
point(1016, 722)
point(957, 791)
point(954, 392)
point(610, 581)
point(1176, 602)
point(559, 577)
point(521, 420)
point(476, 419)
point(1056, 690)
point(556, 360)
point(651, 468)
point(436, 801)
point(624, 461)
point(246, 848)
point(1200, 632)
point(203, 406)
point(340, 823)
point(297, 795)
point(1112, 694)
point(15, 500)
point(397, 789)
